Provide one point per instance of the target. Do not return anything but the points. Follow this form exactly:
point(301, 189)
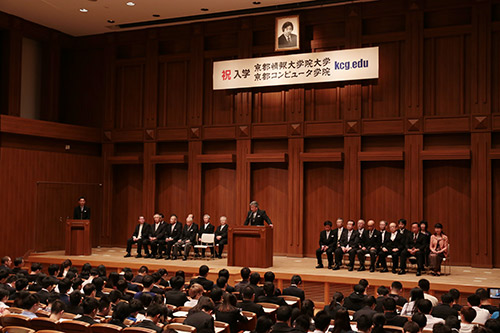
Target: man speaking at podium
point(81, 212)
point(257, 216)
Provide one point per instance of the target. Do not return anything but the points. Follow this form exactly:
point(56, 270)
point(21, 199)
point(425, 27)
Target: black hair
point(177, 282)
point(420, 319)
point(370, 301)
point(143, 269)
point(455, 293)
point(452, 322)
point(221, 282)
point(389, 304)
point(268, 288)
point(264, 324)
point(378, 323)
point(424, 284)
point(410, 327)
point(342, 321)
point(216, 294)
point(283, 313)
point(364, 323)
point(88, 289)
point(440, 328)
point(303, 322)
point(321, 320)
point(296, 279)
point(382, 290)
point(224, 273)
point(254, 278)
point(146, 299)
point(75, 298)
point(446, 298)
point(64, 285)
point(492, 324)
point(18, 261)
point(482, 293)
point(53, 269)
point(402, 221)
point(474, 300)
point(180, 272)
point(245, 273)
point(104, 303)
point(121, 312)
point(203, 270)
point(284, 26)
point(397, 285)
point(359, 289)
point(90, 304)
point(153, 310)
point(57, 306)
point(5, 293)
point(424, 306)
point(98, 283)
point(416, 294)
point(36, 266)
point(364, 283)
point(147, 281)
point(248, 292)
point(128, 276)
point(21, 284)
point(269, 276)
point(328, 222)
point(468, 313)
point(135, 306)
point(122, 285)
point(102, 270)
point(115, 296)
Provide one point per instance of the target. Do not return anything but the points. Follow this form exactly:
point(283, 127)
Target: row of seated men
point(78, 293)
point(172, 240)
point(393, 239)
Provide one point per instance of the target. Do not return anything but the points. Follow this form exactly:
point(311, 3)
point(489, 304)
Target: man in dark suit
point(90, 306)
point(154, 315)
point(269, 296)
point(338, 232)
point(221, 235)
point(369, 244)
point(248, 304)
point(81, 212)
point(444, 310)
point(403, 231)
point(48, 284)
point(368, 309)
point(283, 317)
point(393, 245)
point(157, 233)
point(188, 239)
point(202, 278)
point(294, 289)
point(391, 316)
point(141, 232)
point(202, 320)
point(287, 39)
point(327, 241)
point(6, 265)
point(415, 246)
point(173, 232)
point(348, 244)
point(175, 296)
point(205, 228)
point(256, 216)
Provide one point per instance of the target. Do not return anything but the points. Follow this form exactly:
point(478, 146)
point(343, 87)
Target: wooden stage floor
point(463, 278)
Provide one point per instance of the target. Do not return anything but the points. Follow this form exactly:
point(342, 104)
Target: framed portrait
point(287, 35)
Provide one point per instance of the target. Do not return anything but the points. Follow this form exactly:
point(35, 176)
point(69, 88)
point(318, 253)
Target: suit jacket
point(406, 235)
point(79, 215)
point(43, 295)
point(259, 218)
point(280, 328)
point(366, 310)
point(176, 297)
point(146, 323)
point(393, 319)
point(190, 233)
point(271, 299)
point(398, 242)
point(443, 311)
point(87, 319)
point(208, 229)
point(338, 236)
point(295, 291)
point(284, 43)
point(400, 300)
point(324, 241)
point(231, 317)
point(373, 241)
point(418, 243)
point(250, 306)
point(352, 242)
point(146, 231)
point(174, 233)
point(203, 322)
point(159, 233)
point(222, 232)
point(205, 283)
point(257, 290)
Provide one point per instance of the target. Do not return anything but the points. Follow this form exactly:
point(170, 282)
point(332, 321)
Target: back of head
point(143, 270)
point(467, 314)
point(420, 319)
point(342, 321)
point(455, 293)
point(321, 321)
point(359, 289)
point(370, 301)
point(57, 307)
point(307, 308)
point(221, 282)
point(493, 325)
point(411, 327)
point(296, 279)
point(389, 304)
point(228, 303)
point(397, 286)
point(338, 297)
point(364, 283)
point(89, 304)
point(483, 294)
point(204, 303)
point(177, 282)
point(88, 289)
point(446, 298)
point(245, 273)
point(424, 306)
point(147, 281)
point(224, 273)
point(378, 323)
point(75, 298)
point(264, 324)
point(203, 270)
point(216, 294)
point(452, 322)
point(154, 310)
point(29, 301)
point(383, 291)
point(364, 323)
point(481, 329)
point(115, 296)
point(248, 293)
point(416, 294)
point(302, 322)
point(268, 288)
point(474, 300)
point(269, 276)
point(122, 311)
point(440, 328)
point(64, 285)
point(283, 313)
point(21, 284)
point(424, 284)
point(195, 290)
point(254, 278)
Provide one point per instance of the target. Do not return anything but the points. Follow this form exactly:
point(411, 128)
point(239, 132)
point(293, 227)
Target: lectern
point(250, 246)
point(78, 237)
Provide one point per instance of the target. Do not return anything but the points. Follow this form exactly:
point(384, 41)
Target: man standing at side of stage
point(81, 212)
point(256, 216)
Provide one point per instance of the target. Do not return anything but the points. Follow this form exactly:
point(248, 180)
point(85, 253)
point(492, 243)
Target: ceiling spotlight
point(204, 9)
point(111, 21)
point(130, 3)
point(156, 15)
point(83, 10)
point(256, 2)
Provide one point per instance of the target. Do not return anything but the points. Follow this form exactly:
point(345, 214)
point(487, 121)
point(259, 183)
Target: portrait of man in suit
point(286, 33)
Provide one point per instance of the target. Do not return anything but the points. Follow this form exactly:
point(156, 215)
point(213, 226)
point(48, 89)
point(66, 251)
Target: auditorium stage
point(318, 283)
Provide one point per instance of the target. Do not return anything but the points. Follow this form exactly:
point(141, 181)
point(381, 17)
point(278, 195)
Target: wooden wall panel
point(126, 202)
point(495, 72)
point(269, 186)
point(129, 96)
point(172, 93)
point(322, 104)
point(323, 183)
point(269, 106)
point(218, 106)
point(495, 188)
point(447, 200)
point(171, 191)
point(218, 188)
point(382, 191)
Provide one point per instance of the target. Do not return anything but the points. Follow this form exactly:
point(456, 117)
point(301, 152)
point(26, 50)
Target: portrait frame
point(281, 43)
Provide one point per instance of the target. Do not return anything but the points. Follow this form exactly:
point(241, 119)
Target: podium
point(78, 237)
point(250, 246)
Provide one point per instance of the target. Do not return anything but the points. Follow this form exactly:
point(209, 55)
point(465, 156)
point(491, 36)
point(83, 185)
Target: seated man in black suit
point(90, 306)
point(367, 310)
point(172, 234)
point(294, 289)
point(248, 304)
point(415, 246)
point(155, 314)
point(188, 239)
point(141, 232)
point(35, 271)
point(256, 216)
point(269, 295)
point(202, 278)
point(6, 263)
point(205, 228)
point(348, 244)
point(175, 296)
point(221, 235)
point(48, 284)
point(369, 244)
point(283, 317)
point(393, 245)
point(81, 212)
point(391, 316)
point(157, 233)
point(18, 267)
point(327, 244)
point(444, 310)
point(254, 281)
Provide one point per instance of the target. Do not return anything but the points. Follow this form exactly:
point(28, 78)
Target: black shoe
point(174, 257)
point(159, 257)
point(127, 255)
point(167, 258)
point(196, 255)
point(138, 256)
point(219, 257)
point(184, 258)
point(402, 272)
point(321, 266)
point(394, 271)
point(372, 269)
point(351, 268)
point(148, 256)
point(361, 268)
point(336, 267)
point(330, 267)
point(419, 272)
point(384, 270)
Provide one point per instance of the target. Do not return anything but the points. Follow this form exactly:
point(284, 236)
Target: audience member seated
point(225, 274)
point(176, 296)
point(121, 312)
point(269, 297)
point(455, 293)
point(367, 310)
point(342, 322)
point(35, 271)
point(269, 277)
point(245, 276)
point(425, 306)
point(202, 278)
point(31, 304)
point(411, 327)
point(356, 300)
point(379, 321)
point(493, 325)
point(321, 322)
point(143, 271)
point(4, 297)
point(147, 283)
point(482, 315)
point(283, 317)
point(484, 296)
point(382, 293)
point(453, 323)
point(104, 307)
point(396, 291)
point(391, 316)
point(195, 292)
point(200, 316)
point(416, 294)
point(57, 310)
point(425, 285)
point(264, 325)
point(90, 307)
point(227, 312)
point(440, 328)
point(420, 319)
point(216, 295)
point(18, 267)
point(294, 289)
point(154, 315)
point(364, 324)
point(439, 249)
point(467, 317)
point(444, 310)
point(248, 304)
point(75, 300)
point(335, 305)
point(254, 281)
point(302, 324)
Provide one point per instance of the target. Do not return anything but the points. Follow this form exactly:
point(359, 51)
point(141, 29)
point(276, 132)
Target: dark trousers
point(362, 256)
point(339, 254)
point(329, 256)
point(139, 242)
point(154, 246)
point(165, 247)
point(419, 255)
point(221, 244)
point(382, 257)
point(177, 248)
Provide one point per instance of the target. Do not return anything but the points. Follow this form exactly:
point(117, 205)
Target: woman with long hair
point(200, 316)
point(228, 312)
point(439, 249)
point(342, 322)
point(410, 307)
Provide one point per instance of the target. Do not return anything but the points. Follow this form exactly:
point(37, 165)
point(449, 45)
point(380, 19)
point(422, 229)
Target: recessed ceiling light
point(111, 21)
point(130, 3)
point(156, 15)
point(83, 10)
point(256, 2)
point(204, 9)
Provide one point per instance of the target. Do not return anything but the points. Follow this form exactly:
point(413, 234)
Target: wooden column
point(413, 178)
point(243, 179)
point(194, 178)
point(107, 196)
point(296, 197)
point(149, 180)
point(352, 178)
